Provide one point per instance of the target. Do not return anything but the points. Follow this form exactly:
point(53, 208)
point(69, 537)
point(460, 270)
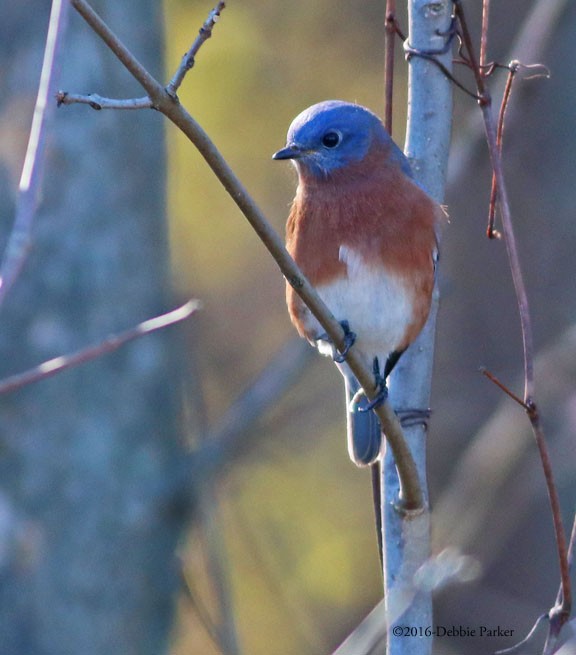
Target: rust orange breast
point(384, 217)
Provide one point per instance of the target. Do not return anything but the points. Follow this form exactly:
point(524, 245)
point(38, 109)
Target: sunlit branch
point(112, 343)
point(188, 60)
point(98, 102)
point(19, 240)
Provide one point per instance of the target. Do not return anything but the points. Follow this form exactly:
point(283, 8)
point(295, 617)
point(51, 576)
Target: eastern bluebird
point(365, 235)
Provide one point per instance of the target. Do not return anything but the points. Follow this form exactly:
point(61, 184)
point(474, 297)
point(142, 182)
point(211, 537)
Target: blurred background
point(279, 555)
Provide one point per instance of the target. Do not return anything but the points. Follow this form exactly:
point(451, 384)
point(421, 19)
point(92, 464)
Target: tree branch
point(491, 233)
point(411, 492)
point(390, 42)
point(188, 60)
point(484, 33)
point(98, 102)
point(63, 363)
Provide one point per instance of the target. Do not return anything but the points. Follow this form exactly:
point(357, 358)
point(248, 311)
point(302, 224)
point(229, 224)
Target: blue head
point(333, 134)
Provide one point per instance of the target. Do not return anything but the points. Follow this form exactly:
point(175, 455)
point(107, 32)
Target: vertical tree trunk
point(88, 527)
point(407, 539)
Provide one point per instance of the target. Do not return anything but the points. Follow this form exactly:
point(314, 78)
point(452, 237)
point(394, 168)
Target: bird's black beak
point(289, 152)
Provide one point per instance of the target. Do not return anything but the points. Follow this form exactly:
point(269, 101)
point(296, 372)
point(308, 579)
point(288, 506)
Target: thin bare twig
point(513, 68)
point(98, 102)
point(188, 60)
point(448, 74)
point(20, 237)
point(411, 490)
point(491, 233)
point(484, 33)
point(503, 387)
point(571, 546)
point(65, 362)
point(559, 614)
point(390, 39)
point(130, 62)
point(519, 647)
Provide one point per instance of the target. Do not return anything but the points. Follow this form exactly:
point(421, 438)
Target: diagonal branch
point(234, 435)
point(65, 362)
point(411, 489)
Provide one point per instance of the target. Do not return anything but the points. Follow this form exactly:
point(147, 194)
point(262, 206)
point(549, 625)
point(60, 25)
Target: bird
point(365, 234)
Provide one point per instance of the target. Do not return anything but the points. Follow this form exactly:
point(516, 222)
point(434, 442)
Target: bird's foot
point(412, 416)
point(349, 340)
point(380, 385)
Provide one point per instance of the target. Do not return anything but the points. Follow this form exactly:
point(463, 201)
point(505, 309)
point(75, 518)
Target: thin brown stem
point(503, 387)
point(467, 43)
point(513, 256)
point(447, 73)
point(528, 639)
point(560, 613)
point(491, 233)
point(572, 544)
point(484, 33)
point(390, 39)
point(569, 559)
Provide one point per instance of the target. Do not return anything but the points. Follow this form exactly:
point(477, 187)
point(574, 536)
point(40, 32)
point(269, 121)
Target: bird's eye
point(331, 139)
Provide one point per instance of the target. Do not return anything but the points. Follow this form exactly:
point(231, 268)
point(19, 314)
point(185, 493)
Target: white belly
point(377, 306)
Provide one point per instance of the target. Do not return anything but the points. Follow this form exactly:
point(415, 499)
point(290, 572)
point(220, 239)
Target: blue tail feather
point(364, 431)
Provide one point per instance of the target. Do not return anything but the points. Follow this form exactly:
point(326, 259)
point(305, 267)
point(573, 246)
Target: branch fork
point(164, 99)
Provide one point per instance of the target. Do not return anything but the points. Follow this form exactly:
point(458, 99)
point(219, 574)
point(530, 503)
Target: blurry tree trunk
point(88, 523)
